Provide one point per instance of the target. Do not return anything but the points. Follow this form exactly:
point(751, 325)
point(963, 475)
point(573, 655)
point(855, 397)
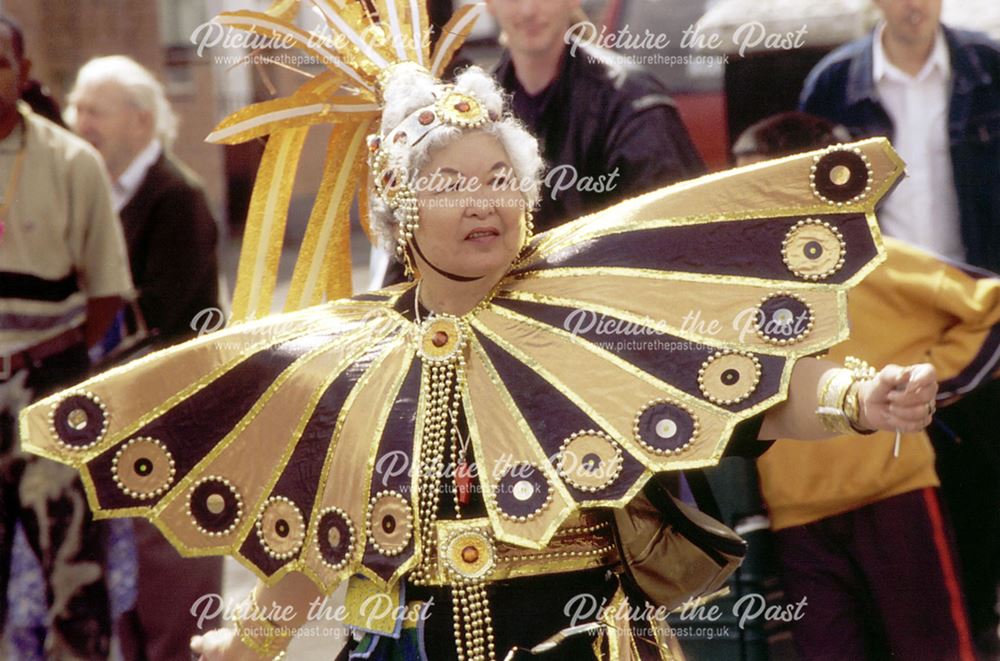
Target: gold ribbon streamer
point(453, 36)
point(364, 204)
point(420, 24)
point(324, 262)
point(265, 229)
point(260, 23)
point(298, 110)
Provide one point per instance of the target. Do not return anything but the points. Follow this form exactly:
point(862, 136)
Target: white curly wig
point(409, 88)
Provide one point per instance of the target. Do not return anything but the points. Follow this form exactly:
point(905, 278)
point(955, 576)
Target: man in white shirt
point(120, 108)
point(924, 209)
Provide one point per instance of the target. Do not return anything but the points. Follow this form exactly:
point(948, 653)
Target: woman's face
point(471, 208)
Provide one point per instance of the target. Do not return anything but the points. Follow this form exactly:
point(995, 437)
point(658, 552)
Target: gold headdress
point(358, 48)
point(388, 152)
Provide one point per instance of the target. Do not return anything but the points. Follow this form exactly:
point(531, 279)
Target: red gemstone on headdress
point(426, 117)
point(389, 179)
point(462, 106)
point(375, 143)
point(400, 137)
point(440, 339)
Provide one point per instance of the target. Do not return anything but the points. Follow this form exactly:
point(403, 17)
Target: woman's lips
point(482, 235)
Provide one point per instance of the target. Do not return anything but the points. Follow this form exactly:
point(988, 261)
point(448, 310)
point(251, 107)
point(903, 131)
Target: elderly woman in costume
point(522, 428)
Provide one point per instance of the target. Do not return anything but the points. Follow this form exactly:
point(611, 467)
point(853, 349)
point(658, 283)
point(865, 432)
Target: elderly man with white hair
point(120, 108)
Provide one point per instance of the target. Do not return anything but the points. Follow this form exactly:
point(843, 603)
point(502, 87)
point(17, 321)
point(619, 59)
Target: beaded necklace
point(442, 347)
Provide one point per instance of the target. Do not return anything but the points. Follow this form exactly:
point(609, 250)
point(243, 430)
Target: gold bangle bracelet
point(839, 406)
point(852, 408)
point(831, 402)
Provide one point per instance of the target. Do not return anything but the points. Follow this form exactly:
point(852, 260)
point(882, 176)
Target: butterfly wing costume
point(585, 372)
point(625, 343)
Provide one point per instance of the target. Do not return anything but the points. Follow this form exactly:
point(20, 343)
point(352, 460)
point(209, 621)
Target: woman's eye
point(447, 188)
point(500, 181)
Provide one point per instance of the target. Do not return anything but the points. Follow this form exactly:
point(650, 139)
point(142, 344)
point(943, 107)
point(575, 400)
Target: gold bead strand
point(432, 459)
point(458, 605)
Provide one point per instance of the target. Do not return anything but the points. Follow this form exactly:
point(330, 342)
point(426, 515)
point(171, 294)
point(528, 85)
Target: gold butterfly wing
point(634, 340)
point(257, 441)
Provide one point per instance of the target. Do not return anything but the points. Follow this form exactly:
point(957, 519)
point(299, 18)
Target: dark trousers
point(48, 500)
point(880, 582)
point(161, 625)
point(967, 444)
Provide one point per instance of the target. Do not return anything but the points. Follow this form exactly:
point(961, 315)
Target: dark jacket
point(171, 237)
point(602, 118)
point(842, 89)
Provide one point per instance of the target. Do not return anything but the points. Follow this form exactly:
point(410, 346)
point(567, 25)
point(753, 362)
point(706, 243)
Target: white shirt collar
point(126, 186)
point(884, 69)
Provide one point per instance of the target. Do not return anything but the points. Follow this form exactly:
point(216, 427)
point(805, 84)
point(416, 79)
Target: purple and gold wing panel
point(634, 340)
point(833, 248)
point(762, 201)
point(226, 442)
point(391, 519)
point(351, 518)
point(563, 420)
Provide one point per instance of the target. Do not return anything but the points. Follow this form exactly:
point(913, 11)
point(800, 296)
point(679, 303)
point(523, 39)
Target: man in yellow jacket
point(859, 528)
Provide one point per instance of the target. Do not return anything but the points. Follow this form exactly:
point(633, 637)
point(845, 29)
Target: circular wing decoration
point(590, 460)
point(665, 427)
point(522, 492)
point(143, 468)
point(281, 528)
point(729, 377)
point(841, 176)
point(470, 555)
point(813, 249)
point(390, 522)
point(784, 318)
point(441, 338)
point(335, 537)
point(79, 421)
point(215, 506)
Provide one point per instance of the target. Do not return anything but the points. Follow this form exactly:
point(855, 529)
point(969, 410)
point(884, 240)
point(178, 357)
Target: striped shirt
point(62, 242)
